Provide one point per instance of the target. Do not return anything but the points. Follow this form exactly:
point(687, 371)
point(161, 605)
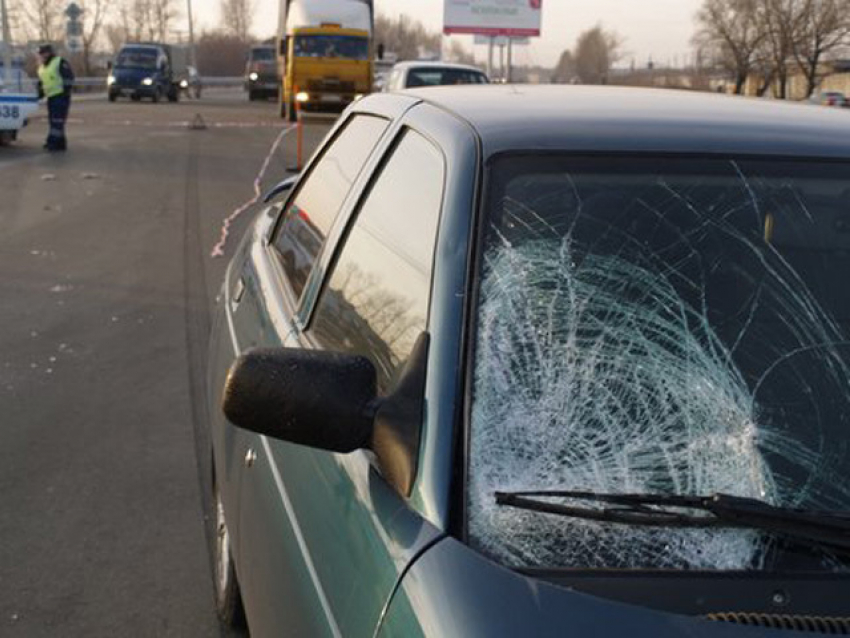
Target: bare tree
point(565, 71)
point(732, 31)
point(595, 53)
point(236, 17)
point(163, 14)
point(824, 26)
point(43, 19)
point(458, 53)
point(93, 18)
point(780, 23)
point(407, 38)
point(221, 54)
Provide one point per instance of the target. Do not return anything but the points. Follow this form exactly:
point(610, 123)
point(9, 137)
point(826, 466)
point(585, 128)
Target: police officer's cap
point(45, 49)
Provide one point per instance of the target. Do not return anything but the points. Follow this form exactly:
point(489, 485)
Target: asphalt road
point(106, 283)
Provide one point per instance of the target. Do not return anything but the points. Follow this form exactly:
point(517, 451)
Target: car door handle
point(236, 295)
point(250, 457)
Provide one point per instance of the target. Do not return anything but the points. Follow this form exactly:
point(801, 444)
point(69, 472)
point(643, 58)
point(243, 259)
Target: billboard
point(493, 17)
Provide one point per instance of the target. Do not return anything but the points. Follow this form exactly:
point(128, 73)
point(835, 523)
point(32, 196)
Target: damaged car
point(501, 362)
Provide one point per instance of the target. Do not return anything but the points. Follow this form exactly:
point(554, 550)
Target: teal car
point(552, 361)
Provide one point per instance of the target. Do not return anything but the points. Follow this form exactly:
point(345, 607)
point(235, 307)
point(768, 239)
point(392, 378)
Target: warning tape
point(218, 249)
point(167, 124)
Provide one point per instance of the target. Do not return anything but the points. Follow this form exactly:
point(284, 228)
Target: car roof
point(434, 64)
point(622, 119)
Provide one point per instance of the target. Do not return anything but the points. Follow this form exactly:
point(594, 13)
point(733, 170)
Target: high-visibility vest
point(51, 78)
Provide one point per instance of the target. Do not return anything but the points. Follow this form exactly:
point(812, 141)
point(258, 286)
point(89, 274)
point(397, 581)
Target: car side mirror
point(328, 400)
point(281, 187)
point(321, 399)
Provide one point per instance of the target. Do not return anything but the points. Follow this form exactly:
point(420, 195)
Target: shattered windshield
point(665, 326)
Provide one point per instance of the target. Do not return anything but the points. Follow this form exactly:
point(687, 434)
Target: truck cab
point(142, 71)
point(261, 77)
point(325, 55)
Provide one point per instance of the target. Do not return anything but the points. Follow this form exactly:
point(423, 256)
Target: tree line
point(772, 39)
point(590, 61)
point(108, 24)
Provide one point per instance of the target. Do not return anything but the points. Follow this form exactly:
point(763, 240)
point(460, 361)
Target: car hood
point(453, 591)
point(134, 75)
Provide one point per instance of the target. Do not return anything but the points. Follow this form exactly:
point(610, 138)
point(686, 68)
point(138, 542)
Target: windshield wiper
point(830, 529)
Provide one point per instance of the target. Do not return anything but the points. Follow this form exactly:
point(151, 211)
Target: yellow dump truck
point(325, 53)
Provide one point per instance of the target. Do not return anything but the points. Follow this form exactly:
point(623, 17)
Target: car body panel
point(324, 546)
point(452, 591)
point(321, 540)
point(513, 118)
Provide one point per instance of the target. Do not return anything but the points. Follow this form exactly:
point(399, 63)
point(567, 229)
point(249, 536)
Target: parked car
point(830, 98)
point(261, 77)
point(191, 84)
point(406, 75)
point(537, 368)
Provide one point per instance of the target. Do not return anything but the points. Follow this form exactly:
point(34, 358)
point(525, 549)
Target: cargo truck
point(325, 53)
point(261, 77)
point(148, 70)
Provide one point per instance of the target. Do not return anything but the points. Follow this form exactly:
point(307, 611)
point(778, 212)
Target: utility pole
point(502, 62)
point(192, 57)
point(509, 74)
point(7, 44)
point(490, 57)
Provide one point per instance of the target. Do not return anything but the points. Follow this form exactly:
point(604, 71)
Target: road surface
point(107, 284)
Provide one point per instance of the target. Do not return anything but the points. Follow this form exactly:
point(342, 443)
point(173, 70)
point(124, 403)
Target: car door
point(324, 538)
point(261, 290)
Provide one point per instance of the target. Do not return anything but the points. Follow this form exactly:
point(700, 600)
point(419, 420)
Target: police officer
point(55, 79)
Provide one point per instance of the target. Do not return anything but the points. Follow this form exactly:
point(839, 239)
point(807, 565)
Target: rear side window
point(311, 213)
point(376, 301)
point(438, 77)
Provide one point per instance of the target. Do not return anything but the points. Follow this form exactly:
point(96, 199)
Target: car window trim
point(318, 274)
point(280, 275)
point(343, 225)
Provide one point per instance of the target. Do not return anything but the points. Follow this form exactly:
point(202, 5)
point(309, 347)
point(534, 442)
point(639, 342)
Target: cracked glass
point(664, 325)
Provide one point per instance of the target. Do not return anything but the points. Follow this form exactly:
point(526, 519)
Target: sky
point(660, 30)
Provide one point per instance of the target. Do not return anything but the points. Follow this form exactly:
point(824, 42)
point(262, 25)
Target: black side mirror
point(310, 397)
point(381, 51)
point(328, 400)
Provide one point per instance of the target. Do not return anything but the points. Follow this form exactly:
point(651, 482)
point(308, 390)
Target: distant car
point(830, 98)
point(408, 75)
point(191, 83)
point(261, 76)
point(502, 363)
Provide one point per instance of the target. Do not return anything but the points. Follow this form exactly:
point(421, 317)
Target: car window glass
point(443, 76)
point(311, 213)
point(376, 300)
point(661, 326)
